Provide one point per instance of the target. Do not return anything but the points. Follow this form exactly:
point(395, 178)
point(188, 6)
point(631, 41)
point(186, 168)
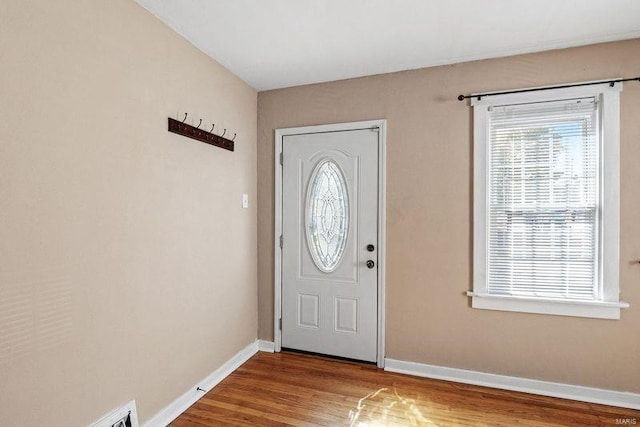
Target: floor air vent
point(125, 416)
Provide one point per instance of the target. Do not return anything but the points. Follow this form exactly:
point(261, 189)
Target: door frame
point(381, 125)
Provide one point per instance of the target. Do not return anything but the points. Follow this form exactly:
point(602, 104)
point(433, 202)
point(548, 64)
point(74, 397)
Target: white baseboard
point(191, 396)
point(544, 388)
point(267, 346)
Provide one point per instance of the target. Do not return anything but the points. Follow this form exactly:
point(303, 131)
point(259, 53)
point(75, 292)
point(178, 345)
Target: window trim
point(609, 231)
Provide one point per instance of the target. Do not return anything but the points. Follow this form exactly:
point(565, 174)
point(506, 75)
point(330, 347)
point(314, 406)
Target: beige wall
point(127, 263)
point(429, 206)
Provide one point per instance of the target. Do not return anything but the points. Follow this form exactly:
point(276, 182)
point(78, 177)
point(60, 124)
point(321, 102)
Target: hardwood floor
point(293, 389)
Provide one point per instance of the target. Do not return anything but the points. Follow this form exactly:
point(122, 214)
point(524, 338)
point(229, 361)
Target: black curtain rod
point(481, 95)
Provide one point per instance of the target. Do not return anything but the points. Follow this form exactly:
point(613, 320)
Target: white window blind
point(542, 201)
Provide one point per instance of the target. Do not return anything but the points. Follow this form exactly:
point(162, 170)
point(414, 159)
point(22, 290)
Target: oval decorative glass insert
point(327, 215)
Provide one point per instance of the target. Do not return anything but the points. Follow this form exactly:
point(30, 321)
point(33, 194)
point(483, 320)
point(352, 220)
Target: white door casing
point(328, 300)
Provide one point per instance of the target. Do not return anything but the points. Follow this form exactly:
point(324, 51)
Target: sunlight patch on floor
point(375, 410)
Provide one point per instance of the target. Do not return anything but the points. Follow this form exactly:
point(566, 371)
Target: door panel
point(330, 196)
point(308, 307)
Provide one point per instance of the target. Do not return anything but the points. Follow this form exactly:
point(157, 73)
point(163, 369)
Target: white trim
point(525, 385)
point(117, 414)
point(609, 235)
point(266, 346)
point(191, 396)
point(277, 250)
point(610, 176)
point(480, 194)
point(576, 308)
point(382, 238)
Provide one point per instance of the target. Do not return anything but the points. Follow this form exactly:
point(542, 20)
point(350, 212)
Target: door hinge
point(280, 323)
point(281, 241)
point(281, 158)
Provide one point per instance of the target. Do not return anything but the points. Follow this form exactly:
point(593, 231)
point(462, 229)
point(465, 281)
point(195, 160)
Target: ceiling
point(279, 43)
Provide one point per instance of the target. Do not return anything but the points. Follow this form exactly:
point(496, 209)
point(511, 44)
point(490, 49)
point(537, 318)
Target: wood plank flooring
point(288, 389)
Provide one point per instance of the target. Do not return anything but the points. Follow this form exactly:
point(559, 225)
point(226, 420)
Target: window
point(327, 215)
point(546, 202)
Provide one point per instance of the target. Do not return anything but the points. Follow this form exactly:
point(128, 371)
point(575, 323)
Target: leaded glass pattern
point(327, 215)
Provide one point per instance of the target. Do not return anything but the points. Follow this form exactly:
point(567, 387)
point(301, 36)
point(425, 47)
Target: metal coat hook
point(198, 127)
point(222, 136)
point(212, 126)
point(185, 117)
point(234, 137)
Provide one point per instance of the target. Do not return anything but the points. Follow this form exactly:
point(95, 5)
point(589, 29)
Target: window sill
point(576, 308)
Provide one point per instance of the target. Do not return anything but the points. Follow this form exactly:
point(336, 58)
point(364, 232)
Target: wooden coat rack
point(181, 128)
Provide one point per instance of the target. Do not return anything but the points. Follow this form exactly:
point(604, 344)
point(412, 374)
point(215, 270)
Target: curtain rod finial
point(460, 97)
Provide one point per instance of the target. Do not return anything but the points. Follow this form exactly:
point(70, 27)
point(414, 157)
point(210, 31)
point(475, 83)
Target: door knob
point(371, 248)
point(371, 264)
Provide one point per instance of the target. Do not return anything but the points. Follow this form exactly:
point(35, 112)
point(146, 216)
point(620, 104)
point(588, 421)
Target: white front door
point(329, 253)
